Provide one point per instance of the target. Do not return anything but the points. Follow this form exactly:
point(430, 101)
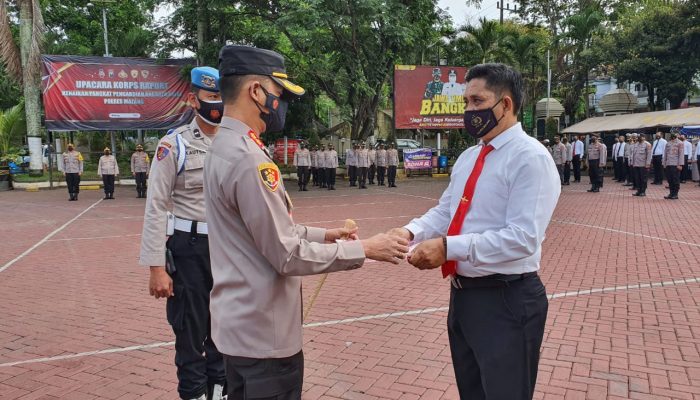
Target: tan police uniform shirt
point(392, 156)
point(381, 158)
point(321, 162)
point(629, 152)
point(596, 152)
point(314, 159)
point(302, 158)
point(372, 156)
point(673, 154)
point(140, 162)
point(73, 162)
point(362, 158)
point(258, 253)
point(569, 155)
point(108, 166)
point(641, 154)
point(559, 154)
point(166, 186)
point(331, 159)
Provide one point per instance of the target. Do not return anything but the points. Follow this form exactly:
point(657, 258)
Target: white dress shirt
point(697, 151)
point(578, 147)
point(687, 147)
point(658, 147)
point(513, 203)
point(619, 150)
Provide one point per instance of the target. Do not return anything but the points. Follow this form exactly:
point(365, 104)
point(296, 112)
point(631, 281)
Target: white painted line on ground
point(432, 310)
point(626, 233)
point(94, 237)
point(47, 237)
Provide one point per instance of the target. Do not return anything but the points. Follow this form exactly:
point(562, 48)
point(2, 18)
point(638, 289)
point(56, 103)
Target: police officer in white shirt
point(619, 158)
point(577, 153)
point(687, 152)
point(696, 160)
point(487, 235)
point(657, 151)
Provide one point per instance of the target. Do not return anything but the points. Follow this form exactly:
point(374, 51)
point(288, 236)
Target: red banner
point(96, 93)
point(429, 97)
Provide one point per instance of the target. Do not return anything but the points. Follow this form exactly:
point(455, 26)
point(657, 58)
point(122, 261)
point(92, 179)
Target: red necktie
point(450, 267)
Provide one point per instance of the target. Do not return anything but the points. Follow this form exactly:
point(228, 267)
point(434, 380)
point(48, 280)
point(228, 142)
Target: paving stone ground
point(623, 272)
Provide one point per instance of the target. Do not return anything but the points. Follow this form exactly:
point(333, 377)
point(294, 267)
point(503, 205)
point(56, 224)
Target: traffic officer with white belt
point(108, 168)
point(180, 267)
point(139, 169)
point(258, 253)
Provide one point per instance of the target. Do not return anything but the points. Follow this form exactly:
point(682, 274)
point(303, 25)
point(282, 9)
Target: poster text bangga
point(96, 93)
point(427, 97)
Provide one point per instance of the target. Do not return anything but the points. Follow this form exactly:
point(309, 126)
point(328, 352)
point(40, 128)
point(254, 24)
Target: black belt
point(489, 281)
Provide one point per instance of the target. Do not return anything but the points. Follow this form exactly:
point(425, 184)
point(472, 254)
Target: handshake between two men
point(393, 246)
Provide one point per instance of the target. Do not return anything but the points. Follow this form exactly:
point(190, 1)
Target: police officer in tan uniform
point(559, 155)
point(351, 163)
point(381, 165)
point(372, 171)
point(108, 169)
point(596, 158)
point(392, 159)
point(179, 265)
point(258, 253)
point(673, 161)
point(331, 165)
point(139, 169)
point(641, 163)
point(72, 170)
point(362, 165)
point(314, 163)
point(302, 160)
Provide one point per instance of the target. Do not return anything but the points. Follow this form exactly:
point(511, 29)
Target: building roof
point(657, 119)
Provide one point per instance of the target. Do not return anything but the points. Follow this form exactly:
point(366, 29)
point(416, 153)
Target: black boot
point(71, 197)
point(106, 196)
point(75, 197)
point(111, 195)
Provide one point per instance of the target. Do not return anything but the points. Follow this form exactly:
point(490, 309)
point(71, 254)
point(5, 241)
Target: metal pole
point(549, 87)
point(50, 160)
point(104, 25)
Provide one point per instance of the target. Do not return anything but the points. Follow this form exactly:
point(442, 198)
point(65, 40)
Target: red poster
point(429, 97)
point(96, 93)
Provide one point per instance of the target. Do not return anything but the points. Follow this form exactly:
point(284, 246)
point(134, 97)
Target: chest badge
point(270, 176)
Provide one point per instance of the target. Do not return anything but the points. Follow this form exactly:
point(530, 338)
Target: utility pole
point(499, 5)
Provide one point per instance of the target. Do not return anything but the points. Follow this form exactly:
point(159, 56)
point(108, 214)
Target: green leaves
point(12, 127)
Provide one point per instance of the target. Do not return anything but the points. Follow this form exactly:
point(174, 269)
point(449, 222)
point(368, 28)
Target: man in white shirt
point(486, 232)
point(577, 149)
point(696, 159)
point(618, 154)
point(657, 155)
point(687, 152)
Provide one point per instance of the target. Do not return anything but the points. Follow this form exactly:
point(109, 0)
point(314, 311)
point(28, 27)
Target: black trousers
point(108, 182)
point(302, 176)
point(495, 337)
point(321, 177)
point(619, 167)
point(362, 172)
point(673, 176)
point(576, 161)
point(640, 179)
point(371, 173)
point(73, 182)
point(594, 173)
point(352, 174)
point(381, 171)
point(330, 172)
point(657, 162)
point(199, 364)
point(265, 379)
point(560, 169)
point(567, 172)
point(392, 175)
point(314, 175)
point(141, 182)
point(685, 174)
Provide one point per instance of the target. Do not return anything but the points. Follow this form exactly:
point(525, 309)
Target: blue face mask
point(274, 120)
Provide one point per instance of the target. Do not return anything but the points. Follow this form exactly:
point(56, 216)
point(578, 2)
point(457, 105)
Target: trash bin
point(442, 164)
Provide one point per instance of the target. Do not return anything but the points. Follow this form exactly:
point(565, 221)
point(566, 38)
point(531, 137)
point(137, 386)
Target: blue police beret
point(206, 78)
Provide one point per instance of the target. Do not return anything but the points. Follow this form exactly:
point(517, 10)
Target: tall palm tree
point(24, 65)
point(484, 42)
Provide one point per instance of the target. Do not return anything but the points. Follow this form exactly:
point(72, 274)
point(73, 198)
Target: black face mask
point(70, 148)
point(106, 153)
point(274, 120)
point(211, 111)
point(478, 123)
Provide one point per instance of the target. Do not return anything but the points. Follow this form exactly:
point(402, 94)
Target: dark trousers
point(314, 175)
point(576, 161)
point(618, 166)
point(657, 162)
point(381, 171)
point(628, 171)
point(673, 176)
point(594, 173)
point(685, 174)
point(199, 364)
point(73, 183)
point(392, 175)
point(371, 173)
point(265, 379)
point(362, 172)
point(108, 182)
point(141, 183)
point(352, 174)
point(330, 177)
point(560, 169)
point(495, 337)
point(640, 179)
point(302, 176)
point(567, 172)
point(322, 177)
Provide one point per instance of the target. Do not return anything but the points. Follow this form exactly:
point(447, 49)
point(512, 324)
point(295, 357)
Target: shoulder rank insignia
point(256, 139)
point(161, 153)
point(270, 176)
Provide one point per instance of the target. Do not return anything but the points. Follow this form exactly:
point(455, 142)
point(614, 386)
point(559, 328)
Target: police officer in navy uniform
point(176, 177)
